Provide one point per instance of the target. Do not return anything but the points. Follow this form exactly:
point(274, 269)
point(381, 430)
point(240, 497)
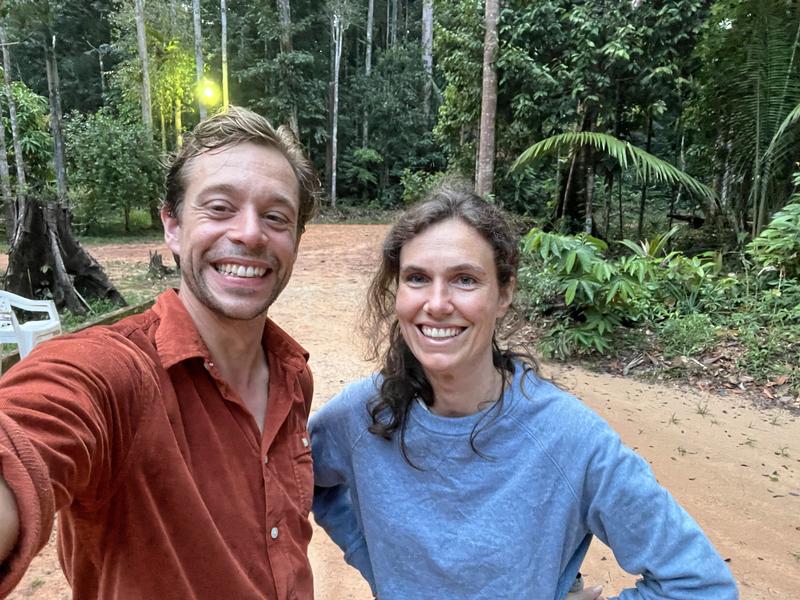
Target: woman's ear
point(506, 296)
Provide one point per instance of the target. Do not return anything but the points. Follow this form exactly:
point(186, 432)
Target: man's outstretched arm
point(9, 520)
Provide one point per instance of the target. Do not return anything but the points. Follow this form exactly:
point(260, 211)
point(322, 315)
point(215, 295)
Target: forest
point(649, 150)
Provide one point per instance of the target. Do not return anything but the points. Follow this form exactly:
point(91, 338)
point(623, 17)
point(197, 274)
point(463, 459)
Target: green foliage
point(596, 294)
point(35, 140)
point(646, 166)
point(686, 335)
point(416, 184)
point(113, 166)
point(359, 170)
point(777, 248)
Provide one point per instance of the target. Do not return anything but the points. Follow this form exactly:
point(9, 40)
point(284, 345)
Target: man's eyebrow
point(232, 190)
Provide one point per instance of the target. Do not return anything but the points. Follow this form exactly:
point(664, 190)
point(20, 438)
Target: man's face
point(235, 230)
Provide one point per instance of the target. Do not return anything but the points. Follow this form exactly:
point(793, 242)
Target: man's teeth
point(440, 332)
point(241, 270)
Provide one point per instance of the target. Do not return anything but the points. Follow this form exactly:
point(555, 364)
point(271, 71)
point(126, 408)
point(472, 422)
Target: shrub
point(687, 335)
point(113, 166)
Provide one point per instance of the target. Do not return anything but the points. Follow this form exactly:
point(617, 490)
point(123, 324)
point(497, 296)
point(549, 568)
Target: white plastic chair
point(26, 335)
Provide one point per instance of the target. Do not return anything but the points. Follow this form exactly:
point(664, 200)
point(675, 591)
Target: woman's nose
point(439, 301)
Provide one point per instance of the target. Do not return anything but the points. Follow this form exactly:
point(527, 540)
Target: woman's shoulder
point(350, 405)
point(551, 413)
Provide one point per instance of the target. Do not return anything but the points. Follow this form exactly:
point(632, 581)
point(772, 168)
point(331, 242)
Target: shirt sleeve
point(648, 531)
point(68, 414)
point(333, 505)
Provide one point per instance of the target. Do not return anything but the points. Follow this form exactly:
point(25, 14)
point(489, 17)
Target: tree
point(44, 257)
point(285, 13)
point(340, 20)
point(485, 171)
point(751, 84)
point(224, 47)
point(141, 39)
point(198, 56)
point(427, 52)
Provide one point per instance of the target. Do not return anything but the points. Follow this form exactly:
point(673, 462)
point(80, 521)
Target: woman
point(457, 472)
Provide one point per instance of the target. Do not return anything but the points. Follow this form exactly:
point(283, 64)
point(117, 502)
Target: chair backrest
point(27, 335)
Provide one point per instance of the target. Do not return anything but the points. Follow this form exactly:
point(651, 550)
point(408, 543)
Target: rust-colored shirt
point(167, 488)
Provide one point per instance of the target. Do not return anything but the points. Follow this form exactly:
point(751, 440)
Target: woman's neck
point(459, 396)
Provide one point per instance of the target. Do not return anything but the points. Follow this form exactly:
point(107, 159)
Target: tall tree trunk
point(178, 122)
point(19, 159)
point(5, 183)
point(223, 12)
point(285, 14)
point(141, 41)
point(588, 216)
point(393, 24)
point(485, 175)
point(427, 54)
point(621, 214)
point(645, 182)
point(337, 35)
point(198, 57)
point(54, 96)
point(368, 69)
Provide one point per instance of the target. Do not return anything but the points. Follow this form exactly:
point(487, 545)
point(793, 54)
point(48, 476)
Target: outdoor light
point(208, 92)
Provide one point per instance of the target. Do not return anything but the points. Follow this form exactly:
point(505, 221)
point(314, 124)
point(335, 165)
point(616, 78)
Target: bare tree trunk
point(141, 40)
point(223, 10)
point(5, 184)
point(427, 54)
point(393, 25)
point(368, 69)
point(645, 182)
point(485, 175)
point(19, 159)
point(588, 217)
point(285, 14)
point(337, 34)
point(178, 123)
point(54, 95)
point(621, 216)
point(198, 56)
point(608, 199)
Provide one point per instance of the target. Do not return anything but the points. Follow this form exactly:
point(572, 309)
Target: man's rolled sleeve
point(27, 475)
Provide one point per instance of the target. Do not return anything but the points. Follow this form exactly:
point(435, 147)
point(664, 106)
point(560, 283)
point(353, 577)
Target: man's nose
point(249, 229)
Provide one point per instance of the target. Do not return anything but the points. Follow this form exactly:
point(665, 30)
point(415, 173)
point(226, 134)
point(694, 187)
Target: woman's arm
point(333, 506)
point(648, 531)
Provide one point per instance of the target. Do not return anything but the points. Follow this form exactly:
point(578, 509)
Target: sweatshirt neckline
point(424, 417)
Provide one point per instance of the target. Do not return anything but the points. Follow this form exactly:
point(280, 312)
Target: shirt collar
point(177, 338)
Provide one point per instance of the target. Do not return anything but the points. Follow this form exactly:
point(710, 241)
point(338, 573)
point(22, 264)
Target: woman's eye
point(466, 281)
point(415, 278)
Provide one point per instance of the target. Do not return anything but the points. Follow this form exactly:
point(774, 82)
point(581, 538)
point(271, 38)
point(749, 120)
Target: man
point(174, 443)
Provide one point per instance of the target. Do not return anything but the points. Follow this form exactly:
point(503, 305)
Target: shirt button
point(266, 459)
point(305, 442)
point(274, 533)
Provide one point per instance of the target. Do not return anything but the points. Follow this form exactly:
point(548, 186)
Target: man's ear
point(172, 230)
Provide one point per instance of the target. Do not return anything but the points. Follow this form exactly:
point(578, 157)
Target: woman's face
point(448, 299)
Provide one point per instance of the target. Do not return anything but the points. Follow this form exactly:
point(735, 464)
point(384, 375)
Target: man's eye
point(276, 219)
point(219, 208)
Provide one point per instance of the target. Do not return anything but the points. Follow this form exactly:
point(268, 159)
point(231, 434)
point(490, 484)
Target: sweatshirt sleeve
point(648, 531)
point(65, 422)
point(333, 506)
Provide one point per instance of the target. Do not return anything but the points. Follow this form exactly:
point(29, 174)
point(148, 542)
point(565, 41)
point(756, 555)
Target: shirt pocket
point(303, 468)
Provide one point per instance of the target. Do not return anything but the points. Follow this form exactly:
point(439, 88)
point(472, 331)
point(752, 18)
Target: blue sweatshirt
point(514, 521)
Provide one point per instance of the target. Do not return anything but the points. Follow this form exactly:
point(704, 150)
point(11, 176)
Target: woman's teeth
point(440, 332)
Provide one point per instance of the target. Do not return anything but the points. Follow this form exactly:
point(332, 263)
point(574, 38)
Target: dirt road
point(734, 468)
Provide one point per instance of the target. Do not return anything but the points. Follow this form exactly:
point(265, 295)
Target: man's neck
point(237, 353)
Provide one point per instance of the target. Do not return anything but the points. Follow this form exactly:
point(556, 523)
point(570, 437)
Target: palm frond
point(647, 167)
